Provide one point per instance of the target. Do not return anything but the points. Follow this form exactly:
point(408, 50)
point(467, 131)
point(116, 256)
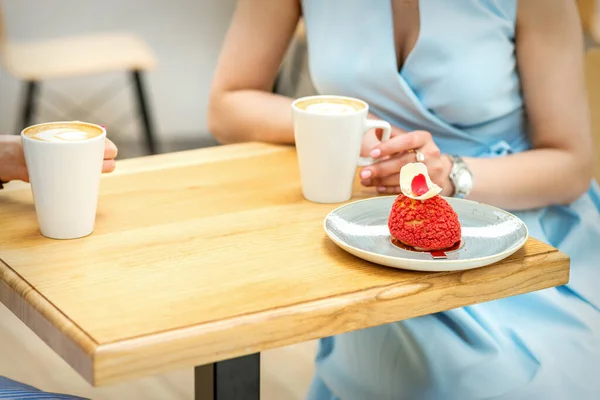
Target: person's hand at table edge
point(12, 159)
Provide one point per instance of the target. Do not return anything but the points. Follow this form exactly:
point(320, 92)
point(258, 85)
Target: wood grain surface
point(209, 254)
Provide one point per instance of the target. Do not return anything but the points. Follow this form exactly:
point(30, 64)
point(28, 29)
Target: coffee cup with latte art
point(64, 162)
point(329, 131)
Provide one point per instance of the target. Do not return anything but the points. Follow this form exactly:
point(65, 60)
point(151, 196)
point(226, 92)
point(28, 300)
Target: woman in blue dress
point(498, 83)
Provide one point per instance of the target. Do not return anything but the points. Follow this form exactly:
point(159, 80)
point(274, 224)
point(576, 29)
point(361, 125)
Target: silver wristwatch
point(461, 177)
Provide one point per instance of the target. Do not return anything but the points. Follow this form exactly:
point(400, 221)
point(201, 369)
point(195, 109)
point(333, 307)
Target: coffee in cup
point(64, 162)
point(329, 131)
point(330, 105)
point(63, 131)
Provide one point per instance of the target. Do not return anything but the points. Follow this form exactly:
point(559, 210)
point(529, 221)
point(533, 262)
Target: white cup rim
point(330, 96)
point(102, 135)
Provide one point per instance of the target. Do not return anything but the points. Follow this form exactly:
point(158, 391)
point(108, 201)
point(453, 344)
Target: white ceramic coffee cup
point(65, 180)
point(328, 147)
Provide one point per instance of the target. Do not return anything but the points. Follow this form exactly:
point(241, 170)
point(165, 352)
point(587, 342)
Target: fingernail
point(381, 188)
point(375, 153)
point(365, 173)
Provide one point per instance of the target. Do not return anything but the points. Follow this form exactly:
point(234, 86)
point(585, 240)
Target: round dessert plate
point(489, 235)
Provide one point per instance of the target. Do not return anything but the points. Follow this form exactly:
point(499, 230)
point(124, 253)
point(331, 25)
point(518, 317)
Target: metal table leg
point(235, 379)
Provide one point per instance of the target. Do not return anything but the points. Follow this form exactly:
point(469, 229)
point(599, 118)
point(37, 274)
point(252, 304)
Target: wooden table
point(211, 255)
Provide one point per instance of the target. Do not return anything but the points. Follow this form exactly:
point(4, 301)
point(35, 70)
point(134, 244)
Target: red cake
point(420, 217)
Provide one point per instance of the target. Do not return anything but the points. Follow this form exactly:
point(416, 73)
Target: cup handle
point(387, 131)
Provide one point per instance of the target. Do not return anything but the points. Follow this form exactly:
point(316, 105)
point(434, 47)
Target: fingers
point(384, 175)
point(15, 172)
point(395, 132)
point(393, 165)
point(21, 174)
point(110, 153)
point(388, 181)
point(110, 150)
point(389, 184)
point(369, 141)
point(389, 189)
point(401, 144)
point(387, 167)
point(108, 166)
point(25, 175)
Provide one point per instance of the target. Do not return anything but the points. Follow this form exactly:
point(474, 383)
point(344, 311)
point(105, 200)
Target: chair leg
point(29, 105)
point(277, 83)
point(143, 110)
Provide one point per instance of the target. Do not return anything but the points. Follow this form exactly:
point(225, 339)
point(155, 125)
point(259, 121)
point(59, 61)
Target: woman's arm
point(242, 107)
point(559, 168)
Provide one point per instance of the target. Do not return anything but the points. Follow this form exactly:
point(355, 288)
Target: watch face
point(464, 179)
point(461, 178)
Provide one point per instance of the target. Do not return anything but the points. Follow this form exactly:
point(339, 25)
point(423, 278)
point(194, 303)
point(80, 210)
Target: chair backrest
point(589, 13)
point(592, 66)
point(587, 9)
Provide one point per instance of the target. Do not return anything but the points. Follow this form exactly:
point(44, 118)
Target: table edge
point(191, 346)
point(54, 328)
point(178, 159)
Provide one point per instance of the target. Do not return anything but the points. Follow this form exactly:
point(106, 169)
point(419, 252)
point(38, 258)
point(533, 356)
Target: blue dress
point(12, 390)
point(461, 84)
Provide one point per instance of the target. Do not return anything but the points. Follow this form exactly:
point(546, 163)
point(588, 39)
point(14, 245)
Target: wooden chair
point(589, 13)
point(36, 61)
point(590, 18)
point(592, 65)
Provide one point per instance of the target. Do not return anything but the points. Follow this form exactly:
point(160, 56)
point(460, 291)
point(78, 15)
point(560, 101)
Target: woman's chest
point(406, 27)
point(458, 60)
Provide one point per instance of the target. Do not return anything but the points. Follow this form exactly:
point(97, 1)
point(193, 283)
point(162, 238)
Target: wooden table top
point(210, 254)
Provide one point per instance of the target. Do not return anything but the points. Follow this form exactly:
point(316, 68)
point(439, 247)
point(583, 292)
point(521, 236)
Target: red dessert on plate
point(420, 218)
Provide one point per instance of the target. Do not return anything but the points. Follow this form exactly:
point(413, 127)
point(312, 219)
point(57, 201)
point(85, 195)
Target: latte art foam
point(330, 108)
point(61, 134)
point(330, 105)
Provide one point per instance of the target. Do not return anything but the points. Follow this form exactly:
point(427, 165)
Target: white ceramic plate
point(489, 235)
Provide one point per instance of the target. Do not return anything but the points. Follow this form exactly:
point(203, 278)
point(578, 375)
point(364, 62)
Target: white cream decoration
point(408, 173)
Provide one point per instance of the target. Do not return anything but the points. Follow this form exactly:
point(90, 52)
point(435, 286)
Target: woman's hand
point(400, 150)
point(12, 159)
point(110, 153)
point(373, 137)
